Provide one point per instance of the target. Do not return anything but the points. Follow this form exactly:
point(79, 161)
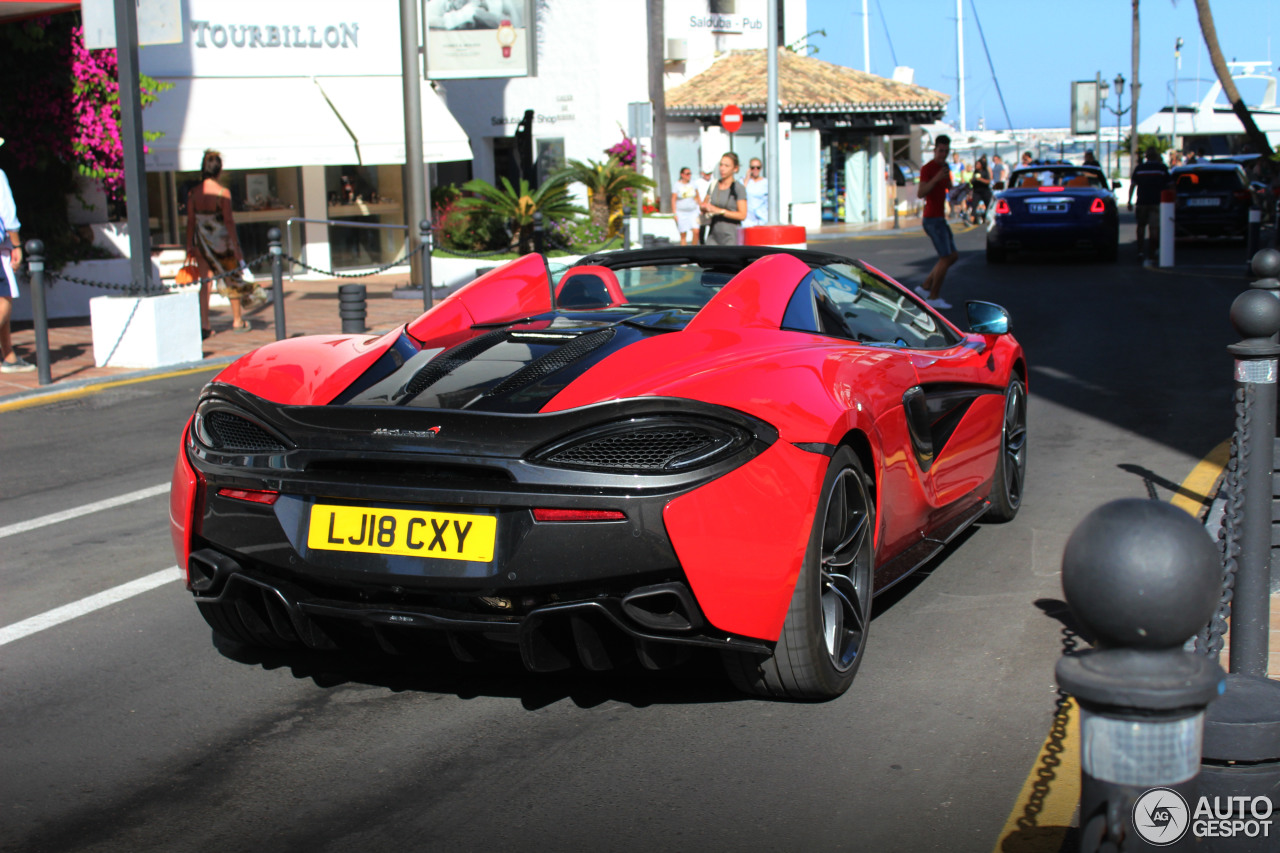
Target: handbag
point(189, 274)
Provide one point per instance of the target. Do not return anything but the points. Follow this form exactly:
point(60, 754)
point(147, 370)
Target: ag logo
point(1160, 816)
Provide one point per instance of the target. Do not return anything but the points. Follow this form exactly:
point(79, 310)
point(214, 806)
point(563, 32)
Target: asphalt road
point(127, 729)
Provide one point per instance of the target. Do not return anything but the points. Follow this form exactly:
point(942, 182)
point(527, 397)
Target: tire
point(995, 255)
point(1011, 464)
point(825, 634)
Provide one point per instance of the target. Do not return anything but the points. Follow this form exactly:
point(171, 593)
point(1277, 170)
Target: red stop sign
point(731, 118)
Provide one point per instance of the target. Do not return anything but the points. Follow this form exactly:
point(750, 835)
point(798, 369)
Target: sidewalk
point(311, 308)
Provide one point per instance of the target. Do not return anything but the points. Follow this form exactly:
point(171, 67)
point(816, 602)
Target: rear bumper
point(1013, 236)
point(598, 630)
point(1211, 222)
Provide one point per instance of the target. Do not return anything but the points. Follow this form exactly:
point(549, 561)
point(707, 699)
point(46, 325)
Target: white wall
point(592, 62)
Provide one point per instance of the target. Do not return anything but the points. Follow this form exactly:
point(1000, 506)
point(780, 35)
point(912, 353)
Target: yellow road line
point(1197, 490)
point(1049, 796)
point(1043, 812)
point(59, 396)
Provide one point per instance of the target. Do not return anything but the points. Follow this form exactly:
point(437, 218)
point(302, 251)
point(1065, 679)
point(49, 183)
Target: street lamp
point(1118, 83)
point(1177, 65)
point(1104, 89)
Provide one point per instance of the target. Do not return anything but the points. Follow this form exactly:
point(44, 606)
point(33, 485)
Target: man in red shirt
point(935, 181)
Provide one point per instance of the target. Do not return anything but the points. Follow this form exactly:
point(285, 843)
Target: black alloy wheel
point(825, 634)
point(1011, 466)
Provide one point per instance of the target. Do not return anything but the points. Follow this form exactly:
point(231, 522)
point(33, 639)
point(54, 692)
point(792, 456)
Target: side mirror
point(987, 318)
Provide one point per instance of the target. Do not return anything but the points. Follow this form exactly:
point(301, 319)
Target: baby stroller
point(959, 198)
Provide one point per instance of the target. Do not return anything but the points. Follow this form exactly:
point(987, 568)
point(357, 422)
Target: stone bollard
point(1168, 226)
point(351, 308)
point(277, 280)
point(1141, 577)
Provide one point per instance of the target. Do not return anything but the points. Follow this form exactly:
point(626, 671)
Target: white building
point(303, 98)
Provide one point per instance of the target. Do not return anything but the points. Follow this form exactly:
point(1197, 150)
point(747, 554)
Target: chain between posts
point(1209, 641)
point(133, 288)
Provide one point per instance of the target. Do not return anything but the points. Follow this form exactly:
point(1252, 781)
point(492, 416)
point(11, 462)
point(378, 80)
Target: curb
point(80, 387)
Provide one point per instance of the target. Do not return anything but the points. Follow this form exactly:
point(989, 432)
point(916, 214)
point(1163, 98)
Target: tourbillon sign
point(213, 34)
point(250, 38)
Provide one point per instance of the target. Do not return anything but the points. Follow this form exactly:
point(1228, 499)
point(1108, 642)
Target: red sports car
point(653, 451)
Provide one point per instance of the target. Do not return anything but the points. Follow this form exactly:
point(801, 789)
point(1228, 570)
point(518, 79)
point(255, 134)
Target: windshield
point(1209, 179)
point(679, 285)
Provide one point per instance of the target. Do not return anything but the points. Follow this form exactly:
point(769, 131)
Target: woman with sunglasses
point(757, 194)
point(685, 203)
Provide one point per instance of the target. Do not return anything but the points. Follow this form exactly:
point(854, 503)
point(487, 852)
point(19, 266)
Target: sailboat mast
point(866, 39)
point(960, 57)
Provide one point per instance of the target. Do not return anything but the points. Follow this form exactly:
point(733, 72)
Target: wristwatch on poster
point(506, 37)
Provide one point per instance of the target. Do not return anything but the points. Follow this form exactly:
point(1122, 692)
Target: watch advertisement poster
point(478, 38)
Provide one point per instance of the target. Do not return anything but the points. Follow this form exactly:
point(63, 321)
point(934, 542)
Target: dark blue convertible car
point(1054, 206)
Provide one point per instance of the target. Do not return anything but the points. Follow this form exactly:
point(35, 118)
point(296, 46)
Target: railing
point(344, 223)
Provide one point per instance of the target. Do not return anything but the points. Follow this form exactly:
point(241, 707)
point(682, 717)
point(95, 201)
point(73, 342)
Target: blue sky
point(1037, 52)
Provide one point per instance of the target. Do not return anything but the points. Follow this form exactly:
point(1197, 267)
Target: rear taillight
point(1051, 189)
point(1243, 195)
point(185, 491)
point(1002, 206)
point(1098, 206)
point(251, 495)
point(554, 514)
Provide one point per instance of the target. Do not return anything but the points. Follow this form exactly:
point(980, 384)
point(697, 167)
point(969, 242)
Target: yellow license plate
point(365, 530)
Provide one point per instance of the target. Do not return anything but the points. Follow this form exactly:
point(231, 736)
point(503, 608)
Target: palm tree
point(1256, 137)
point(517, 205)
point(605, 183)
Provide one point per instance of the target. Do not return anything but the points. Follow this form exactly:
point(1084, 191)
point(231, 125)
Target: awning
point(293, 121)
point(17, 10)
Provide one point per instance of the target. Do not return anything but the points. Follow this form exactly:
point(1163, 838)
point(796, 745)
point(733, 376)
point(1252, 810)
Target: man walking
point(10, 259)
point(1149, 178)
point(935, 181)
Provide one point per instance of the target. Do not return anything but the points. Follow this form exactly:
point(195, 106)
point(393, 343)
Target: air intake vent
point(447, 362)
point(553, 361)
point(651, 448)
point(228, 431)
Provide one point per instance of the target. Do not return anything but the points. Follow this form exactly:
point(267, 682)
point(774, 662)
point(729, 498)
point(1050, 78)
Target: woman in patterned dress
point(212, 242)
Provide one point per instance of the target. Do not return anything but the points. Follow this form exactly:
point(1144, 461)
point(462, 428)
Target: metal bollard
point(424, 236)
point(39, 314)
point(277, 280)
point(1141, 577)
point(1255, 231)
point(351, 308)
point(538, 236)
point(1255, 314)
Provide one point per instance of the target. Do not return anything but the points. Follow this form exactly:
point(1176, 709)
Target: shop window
point(368, 198)
point(550, 158)
point(261, 199)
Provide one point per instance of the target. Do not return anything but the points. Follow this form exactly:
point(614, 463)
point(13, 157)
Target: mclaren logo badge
point(407, 433)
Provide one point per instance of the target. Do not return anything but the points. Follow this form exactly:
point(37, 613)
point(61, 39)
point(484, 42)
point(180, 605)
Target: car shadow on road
point(698, 680)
